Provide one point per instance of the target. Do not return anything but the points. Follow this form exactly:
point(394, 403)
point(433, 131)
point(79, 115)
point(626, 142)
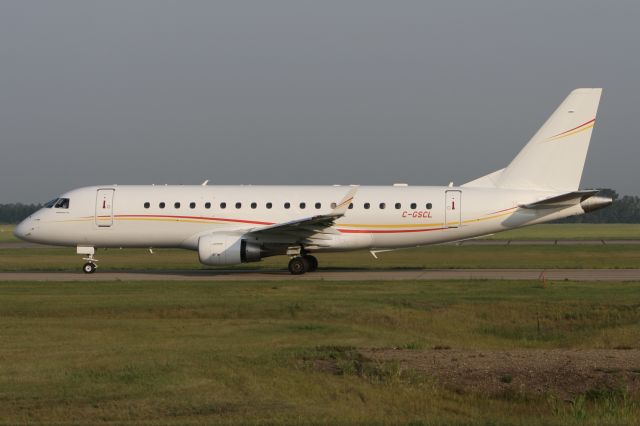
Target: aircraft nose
point(24, 228)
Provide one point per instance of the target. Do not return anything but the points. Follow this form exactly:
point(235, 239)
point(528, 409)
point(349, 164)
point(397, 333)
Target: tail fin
point(554, 158)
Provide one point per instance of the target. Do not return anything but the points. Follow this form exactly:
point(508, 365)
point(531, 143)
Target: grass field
point(571, 231)
point(248, 353)
point(6, 234)
point(435, 257)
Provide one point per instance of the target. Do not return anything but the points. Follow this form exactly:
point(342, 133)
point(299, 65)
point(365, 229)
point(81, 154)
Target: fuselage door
point(453, 209)
point(104, 207)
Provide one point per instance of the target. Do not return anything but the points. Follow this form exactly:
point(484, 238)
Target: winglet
point(343, 205)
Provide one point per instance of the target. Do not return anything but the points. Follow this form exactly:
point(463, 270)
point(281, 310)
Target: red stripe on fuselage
point(369, 231)
point(253, 222)
point(504, 210)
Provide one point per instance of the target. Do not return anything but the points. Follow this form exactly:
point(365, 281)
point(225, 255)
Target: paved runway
point(336, 275)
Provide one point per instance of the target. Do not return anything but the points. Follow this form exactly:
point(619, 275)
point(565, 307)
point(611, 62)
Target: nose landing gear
point(91, 266)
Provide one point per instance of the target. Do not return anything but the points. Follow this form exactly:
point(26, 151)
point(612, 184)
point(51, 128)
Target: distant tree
point(625, 209)
point(14, 213)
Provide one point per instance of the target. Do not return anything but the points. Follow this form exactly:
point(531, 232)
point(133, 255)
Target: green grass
point(573, 231)
point(202, 353)
point(6, 234)
point(448, 256)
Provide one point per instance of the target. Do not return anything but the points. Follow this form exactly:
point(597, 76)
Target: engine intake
point(221, 249)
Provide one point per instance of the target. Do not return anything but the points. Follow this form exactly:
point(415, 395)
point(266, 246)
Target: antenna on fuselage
point(205, 182)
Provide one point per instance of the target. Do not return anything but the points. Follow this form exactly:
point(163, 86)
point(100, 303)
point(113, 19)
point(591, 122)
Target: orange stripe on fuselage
point(503, 210)
point(219, 219)
point(339, 227)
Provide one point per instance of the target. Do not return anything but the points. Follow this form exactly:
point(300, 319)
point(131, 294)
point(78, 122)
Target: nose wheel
point(89, 268)
point(92, 263)
point(301, 264)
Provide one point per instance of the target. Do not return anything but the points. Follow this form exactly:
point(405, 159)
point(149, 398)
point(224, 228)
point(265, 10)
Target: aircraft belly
point(351, 242)
point(147, 234)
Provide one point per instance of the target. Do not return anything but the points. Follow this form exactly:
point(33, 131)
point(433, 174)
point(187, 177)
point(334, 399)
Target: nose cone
point(23, 230)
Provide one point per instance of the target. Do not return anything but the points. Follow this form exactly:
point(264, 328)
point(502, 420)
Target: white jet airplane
point(229, 225)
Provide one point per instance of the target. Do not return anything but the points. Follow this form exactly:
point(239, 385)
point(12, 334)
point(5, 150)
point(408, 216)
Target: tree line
point(16, 212)
point(625, 209)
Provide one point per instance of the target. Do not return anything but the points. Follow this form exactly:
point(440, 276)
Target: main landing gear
point(300, 264)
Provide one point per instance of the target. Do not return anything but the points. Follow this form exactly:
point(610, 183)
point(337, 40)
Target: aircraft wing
point(300, 229)
point(556, 201)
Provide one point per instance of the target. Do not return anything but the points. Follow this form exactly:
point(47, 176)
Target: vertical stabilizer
point(554, 158)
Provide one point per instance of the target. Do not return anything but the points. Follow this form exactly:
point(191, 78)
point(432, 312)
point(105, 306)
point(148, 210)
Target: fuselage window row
point(269, 205)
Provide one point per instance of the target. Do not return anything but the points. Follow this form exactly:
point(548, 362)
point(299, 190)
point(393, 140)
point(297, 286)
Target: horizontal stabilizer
point(568, 199)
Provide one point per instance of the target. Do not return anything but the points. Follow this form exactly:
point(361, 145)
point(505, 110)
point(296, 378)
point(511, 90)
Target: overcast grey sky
point(304, 92)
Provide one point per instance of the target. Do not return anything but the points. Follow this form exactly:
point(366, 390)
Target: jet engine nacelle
point(224, 249)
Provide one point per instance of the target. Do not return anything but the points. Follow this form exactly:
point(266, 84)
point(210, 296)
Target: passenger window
point(147, 205)
point(238, 205)
point(303, 205)
point(382, 206)
point(223, 205)
point(254, 205)
point(176, 205)
point(287, 205)
point(398, 206)
point(192, 205)
point(269, 205)
point(350, 206)
point(429, 205)
point(318, 205)
point(207, 205)
point(334, 205)
point(414, 205)
point(367, 205)
point(161, 205)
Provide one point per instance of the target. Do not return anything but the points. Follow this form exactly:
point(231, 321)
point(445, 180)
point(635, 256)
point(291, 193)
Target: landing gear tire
point(89, 268)
point(298, 265)
point(313, 262)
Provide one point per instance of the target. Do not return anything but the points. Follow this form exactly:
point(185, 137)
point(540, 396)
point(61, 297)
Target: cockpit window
point(62, 203)
point(58, 203)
